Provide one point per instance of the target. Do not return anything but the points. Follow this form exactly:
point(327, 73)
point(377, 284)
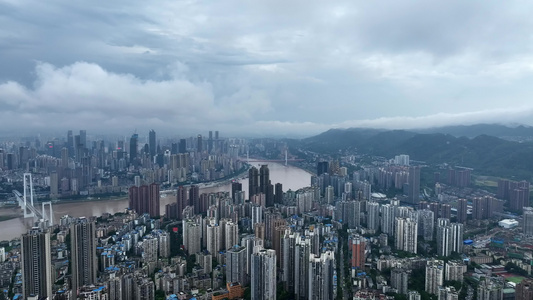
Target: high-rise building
point(524, 290)
point(434, 276)
point(182, 148)
point(413, 295)
point(152, 143)
point(288, 265)
point(426, 223)
point(83, 253)
point(447, 293)
point(114, 288)
point(457, 237)
point(253, 182)
point(400, 279)
point(278, 198)
point(174, 148)
point(461, 211)
point(83, 138)
point(134, 145)
point(414, 184)
point(235, 187)
point(182, 201)
point(210, 142)
point(444, 237)
point(154, 206)
point(214, 237)
point(194, 198)
point(301, 270)
point(70, 141)
point(406, 234)
point(330, 194)
point(264, 178)
point(10, 161)
point(494, 206)
point(277, 240)
point(322, 167)
point(269, 195)
point(144, 289)
point(449, 237)
point(518, 195)
point(491, 289)
point(454, 270)
point(445, 211)
point(264, 185)
point(527, 225)
point(479, 208)
point(128, 286)
point(503, 189)
point(351, 213)
point(462, 177)
point(236, 264)
point(54, 184)
point(145, 199)
point(388, 218)
point(230, 234)
point(192, 236)
point(401, 160)
point(36, 264)
point(321, 276)
point(372, 209)
point(199, 144)
point(357, 246)
point(435, 208)
point(263, 281)
point(249, 242)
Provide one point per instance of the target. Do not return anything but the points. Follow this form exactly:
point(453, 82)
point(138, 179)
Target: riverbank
point(292, 178)
point(241, 174)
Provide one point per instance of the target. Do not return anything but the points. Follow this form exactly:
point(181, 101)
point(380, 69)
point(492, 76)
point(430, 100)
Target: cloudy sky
point(260, 67)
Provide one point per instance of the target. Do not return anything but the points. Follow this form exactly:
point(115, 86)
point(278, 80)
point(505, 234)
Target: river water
point(291, 177)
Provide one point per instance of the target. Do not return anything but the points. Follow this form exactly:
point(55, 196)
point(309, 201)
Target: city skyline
point(173, 235)
point(258, 68)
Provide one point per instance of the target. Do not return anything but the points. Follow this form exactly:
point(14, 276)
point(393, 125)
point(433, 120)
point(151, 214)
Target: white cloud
point(87, 95)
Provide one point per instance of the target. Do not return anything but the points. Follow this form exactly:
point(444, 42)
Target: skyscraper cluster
point(517, 193)
point(259, 185)
point(449, 237)
point(145, 199)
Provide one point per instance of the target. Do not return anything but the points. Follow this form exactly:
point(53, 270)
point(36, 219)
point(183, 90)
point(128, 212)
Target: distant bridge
point(273, 160)
point(285, 161)
point(27, 206)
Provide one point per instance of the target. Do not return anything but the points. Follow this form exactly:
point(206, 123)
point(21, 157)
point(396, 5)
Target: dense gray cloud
point(262, 67)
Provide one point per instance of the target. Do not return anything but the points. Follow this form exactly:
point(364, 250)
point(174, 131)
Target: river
point(291, 177)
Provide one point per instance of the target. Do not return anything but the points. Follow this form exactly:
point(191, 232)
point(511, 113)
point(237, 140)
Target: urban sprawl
point(363, 228)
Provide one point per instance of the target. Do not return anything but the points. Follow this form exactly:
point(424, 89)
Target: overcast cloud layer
point(263, 67)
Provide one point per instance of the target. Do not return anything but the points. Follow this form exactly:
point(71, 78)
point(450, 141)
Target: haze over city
point(262, 67)
point(266, 150)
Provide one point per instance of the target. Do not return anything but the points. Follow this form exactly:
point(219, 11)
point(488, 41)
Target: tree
point(160, 295)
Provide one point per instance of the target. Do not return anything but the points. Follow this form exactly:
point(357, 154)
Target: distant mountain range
point(497, 130)
point(488, 149)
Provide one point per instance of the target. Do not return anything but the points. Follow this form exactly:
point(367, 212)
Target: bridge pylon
point(28, 191)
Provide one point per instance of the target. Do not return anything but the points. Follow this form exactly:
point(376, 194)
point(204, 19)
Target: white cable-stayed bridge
point(25, 201)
